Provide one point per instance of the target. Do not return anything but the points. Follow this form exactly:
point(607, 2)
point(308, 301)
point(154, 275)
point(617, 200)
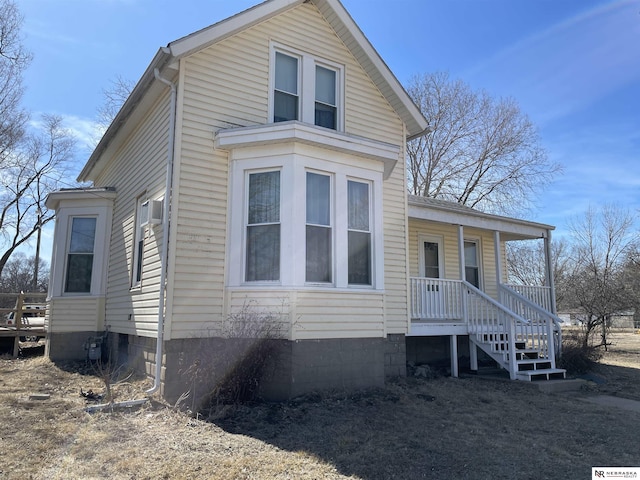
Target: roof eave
point(162, 58)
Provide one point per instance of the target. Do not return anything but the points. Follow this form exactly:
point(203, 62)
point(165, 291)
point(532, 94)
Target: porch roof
point(442, 211)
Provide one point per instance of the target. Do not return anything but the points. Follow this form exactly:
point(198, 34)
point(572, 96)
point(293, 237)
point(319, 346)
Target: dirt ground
point(442, 428)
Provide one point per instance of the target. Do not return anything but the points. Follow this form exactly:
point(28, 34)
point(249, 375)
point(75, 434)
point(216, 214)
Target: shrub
point(578, 357)
point(228, 371)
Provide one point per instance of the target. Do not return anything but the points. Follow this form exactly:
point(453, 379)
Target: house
point(260, 161)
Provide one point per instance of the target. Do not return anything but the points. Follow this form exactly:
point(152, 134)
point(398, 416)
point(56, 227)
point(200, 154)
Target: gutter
point(165, 236)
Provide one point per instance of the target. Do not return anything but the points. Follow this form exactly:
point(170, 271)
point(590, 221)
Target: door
point(431, 254)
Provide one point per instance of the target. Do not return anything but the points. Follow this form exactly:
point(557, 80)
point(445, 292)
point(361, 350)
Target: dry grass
point(443, 428)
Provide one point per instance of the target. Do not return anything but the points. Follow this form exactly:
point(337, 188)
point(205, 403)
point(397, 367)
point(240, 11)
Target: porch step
point(543, 374)
point(533, 364)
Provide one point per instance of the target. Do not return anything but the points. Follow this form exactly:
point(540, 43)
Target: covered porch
point(458, 287)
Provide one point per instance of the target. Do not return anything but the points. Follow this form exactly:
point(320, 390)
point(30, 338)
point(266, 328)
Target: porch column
point(454, 355)
point(548, 264)
point(463, 275)
point(496, 241)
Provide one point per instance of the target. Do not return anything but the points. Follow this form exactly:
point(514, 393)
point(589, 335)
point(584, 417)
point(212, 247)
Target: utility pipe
point(165, 235)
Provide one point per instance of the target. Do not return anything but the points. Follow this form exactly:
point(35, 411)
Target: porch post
point(454, 355)
point(463, 275)
point(549, 272)
point(473, 355)
point(496, 241)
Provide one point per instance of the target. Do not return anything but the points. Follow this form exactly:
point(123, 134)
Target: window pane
point(359, 258)
point(83, 233)
point(358, 194)
point(470, 254)
point(79, 268)
point(318, 199)
point(263, 253)
point(318, 254)
point(264, 197)
point(325, 85)
point(286, 73)
point(285, 107)
point(325, 116)
point(472, 276)
point(431, 260)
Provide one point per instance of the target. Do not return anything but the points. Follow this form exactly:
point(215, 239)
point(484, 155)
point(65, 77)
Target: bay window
point(359, 233)
point(319, 238)
point(263, 227)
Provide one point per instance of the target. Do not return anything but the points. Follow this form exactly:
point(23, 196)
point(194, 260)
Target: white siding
point(226, 86)
point(75, 314)
point(139, 166)
point(451, 257)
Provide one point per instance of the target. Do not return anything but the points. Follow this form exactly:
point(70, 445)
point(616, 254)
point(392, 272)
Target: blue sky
point(572, 65)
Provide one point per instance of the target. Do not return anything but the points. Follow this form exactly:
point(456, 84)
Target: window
point(306, 88)
point(471, 265)
point(431, 259)
point(142, 216)
point(308, 222)
point(80, 255)
point(326, 109)
point(319, 236)
point(285, 99)
point(263, 227)
point(359, 234)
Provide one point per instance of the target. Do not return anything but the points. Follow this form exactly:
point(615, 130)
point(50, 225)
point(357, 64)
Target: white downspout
point(165, 235)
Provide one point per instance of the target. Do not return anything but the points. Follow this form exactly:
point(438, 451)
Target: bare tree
point(114, 97)
point(603, 241)
point(526, 263)
point(481, 152)
point(17, 275)
point(35, 170)
point(13, 60)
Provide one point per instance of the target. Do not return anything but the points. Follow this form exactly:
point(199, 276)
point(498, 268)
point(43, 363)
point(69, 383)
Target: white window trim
point(293, 169)
point(307, 83)
point(138, 230)
point(332, 226)
point(438, 239)
point(478, 242)
point(65, 216)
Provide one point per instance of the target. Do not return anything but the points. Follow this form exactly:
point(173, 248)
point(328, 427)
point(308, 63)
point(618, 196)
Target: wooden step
point(543, 374)
point(533, 364)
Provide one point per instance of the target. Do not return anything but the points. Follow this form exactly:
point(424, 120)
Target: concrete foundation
point(68, 346)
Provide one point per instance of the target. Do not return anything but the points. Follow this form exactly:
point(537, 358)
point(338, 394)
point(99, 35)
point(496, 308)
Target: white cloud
point(573, 63)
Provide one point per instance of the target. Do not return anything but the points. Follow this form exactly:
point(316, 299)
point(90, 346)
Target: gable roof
point(335, 14)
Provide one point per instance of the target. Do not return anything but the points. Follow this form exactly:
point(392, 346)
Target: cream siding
point(139, 166)
point(449, 233)
point(226, 85)
point(312, 314)
point(75, 314)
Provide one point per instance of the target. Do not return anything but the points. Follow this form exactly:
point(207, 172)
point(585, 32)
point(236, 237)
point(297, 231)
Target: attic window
point(306, 88)
point(285, 95)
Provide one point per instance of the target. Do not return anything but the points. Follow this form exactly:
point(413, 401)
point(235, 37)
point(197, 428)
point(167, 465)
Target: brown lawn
point(444, 428)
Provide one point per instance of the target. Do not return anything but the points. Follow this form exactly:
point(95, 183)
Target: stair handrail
point(546, 313)
point(511, 317)
point(495, 303)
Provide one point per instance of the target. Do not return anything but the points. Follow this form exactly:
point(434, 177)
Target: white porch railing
point(528, 302)
point(498, 324)
point(436, 299)
point(539, 295)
